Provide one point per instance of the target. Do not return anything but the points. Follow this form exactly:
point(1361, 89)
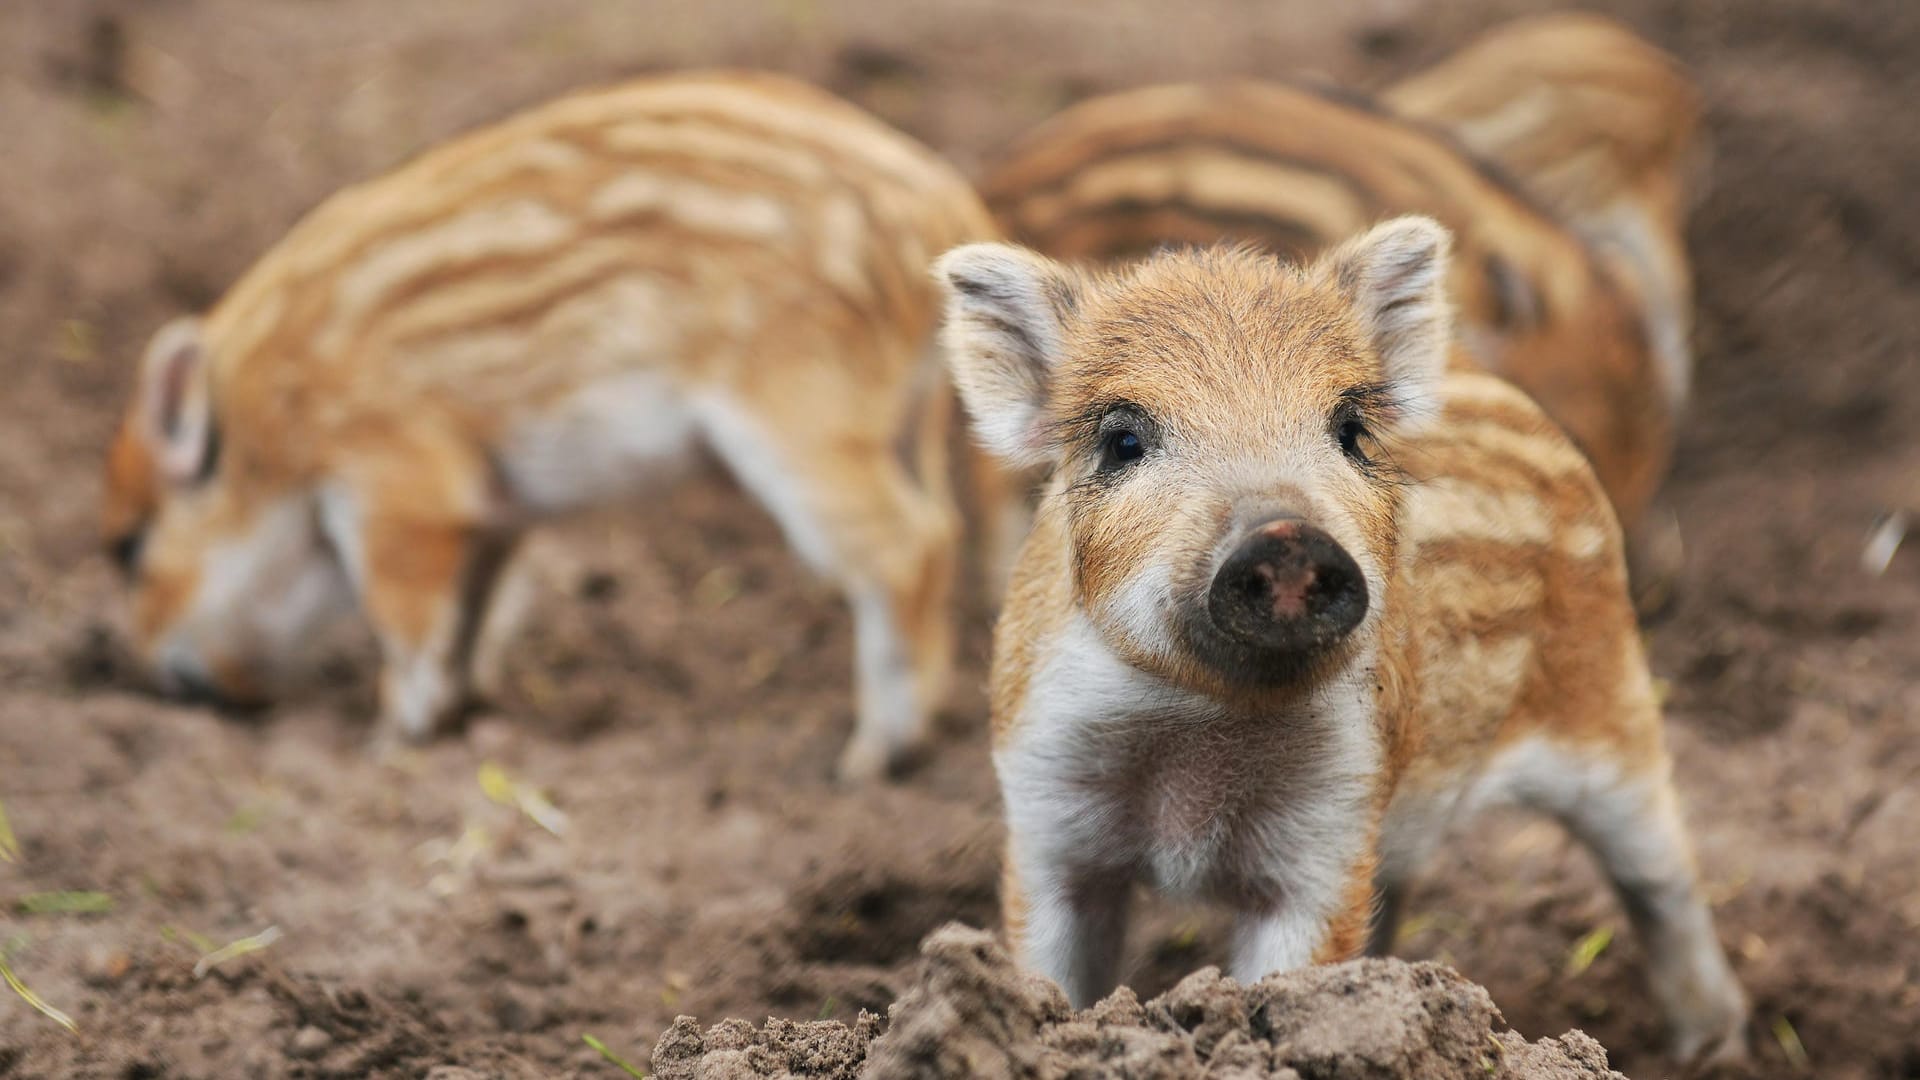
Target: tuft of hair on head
point(1395, 277)
point(1007, 313)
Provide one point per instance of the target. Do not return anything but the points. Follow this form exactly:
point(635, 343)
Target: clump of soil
point(972, 1013)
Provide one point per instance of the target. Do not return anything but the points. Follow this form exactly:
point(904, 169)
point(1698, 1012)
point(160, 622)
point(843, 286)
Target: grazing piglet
point(1295, 601)
point(543, 316)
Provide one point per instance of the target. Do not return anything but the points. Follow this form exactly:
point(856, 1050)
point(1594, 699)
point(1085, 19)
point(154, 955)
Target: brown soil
point(682, 693)
point(971, 1013)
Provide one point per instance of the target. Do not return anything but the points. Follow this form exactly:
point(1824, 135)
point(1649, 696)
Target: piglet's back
point(698, 223)
point(1512, 587)
point(1297, 171)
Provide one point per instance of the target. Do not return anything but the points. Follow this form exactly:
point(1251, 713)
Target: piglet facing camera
point(1297, 597)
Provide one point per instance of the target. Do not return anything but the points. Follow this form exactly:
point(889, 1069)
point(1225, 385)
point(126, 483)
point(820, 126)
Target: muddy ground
point(682, 692)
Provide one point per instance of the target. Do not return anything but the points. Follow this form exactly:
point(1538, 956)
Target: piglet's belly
point(612, 439)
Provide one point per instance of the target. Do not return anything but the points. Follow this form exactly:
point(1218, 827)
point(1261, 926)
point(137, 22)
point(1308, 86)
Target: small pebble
point(105, 965)
point(517, 1009)
point(491, 736)
point(309, 1042)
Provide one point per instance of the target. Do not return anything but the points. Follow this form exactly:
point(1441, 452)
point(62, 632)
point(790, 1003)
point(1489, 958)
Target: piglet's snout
point(1287, 587)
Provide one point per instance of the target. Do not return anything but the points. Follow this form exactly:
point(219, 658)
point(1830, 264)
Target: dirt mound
point(971, 1013)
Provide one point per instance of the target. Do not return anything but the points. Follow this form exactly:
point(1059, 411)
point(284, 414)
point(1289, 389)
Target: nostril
point(1284, 588)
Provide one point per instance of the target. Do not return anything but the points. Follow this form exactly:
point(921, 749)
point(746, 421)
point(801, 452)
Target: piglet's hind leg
point(1630, 820)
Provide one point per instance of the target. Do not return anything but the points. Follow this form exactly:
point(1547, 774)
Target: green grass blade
point(1587, 950)
point(613, 1057)
point(35, 1000)
point(9, 843)
point(78, 902)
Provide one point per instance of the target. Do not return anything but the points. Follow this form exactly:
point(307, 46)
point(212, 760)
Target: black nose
point(1288, 587)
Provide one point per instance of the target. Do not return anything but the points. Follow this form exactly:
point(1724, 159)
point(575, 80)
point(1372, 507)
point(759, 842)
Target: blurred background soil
point(683, 689)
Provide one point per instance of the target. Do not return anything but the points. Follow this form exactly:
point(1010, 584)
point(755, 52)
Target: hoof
point(871, 761)
point(1656, 562)
point(864, 761)
point(1706, 1047)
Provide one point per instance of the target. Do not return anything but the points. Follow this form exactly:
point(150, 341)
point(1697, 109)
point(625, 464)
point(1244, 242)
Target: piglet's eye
point(1353, 435)
point(125, 550)
point(1121, 448)
point(1126, 434)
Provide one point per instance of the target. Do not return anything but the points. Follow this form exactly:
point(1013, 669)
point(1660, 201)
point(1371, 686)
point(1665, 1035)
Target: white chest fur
point(1111, 770)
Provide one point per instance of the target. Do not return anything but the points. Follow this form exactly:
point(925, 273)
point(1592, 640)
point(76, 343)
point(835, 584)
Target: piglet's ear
point(1395, 274)
point(1007, 312)
point(175, 402)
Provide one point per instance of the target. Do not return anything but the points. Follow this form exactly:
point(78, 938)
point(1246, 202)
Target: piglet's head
point(1221, 427)
point(228, 576)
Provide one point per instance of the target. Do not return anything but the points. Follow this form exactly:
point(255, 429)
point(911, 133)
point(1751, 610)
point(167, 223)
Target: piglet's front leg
point(1067, 923)
point(1270, 941)
point(1288, 936)
point(412, 527)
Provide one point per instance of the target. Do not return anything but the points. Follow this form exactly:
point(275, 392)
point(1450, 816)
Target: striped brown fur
point(1579, 110)
point(535, 317)
point(1600, 126)
point(1296, 171)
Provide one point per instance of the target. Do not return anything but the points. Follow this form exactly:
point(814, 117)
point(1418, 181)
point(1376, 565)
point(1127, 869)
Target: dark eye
point(125, 550)
point(1122, 447)
point(1353, 436)
point(1126, 434)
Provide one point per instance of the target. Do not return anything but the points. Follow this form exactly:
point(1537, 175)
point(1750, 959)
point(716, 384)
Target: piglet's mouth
point(236, 691)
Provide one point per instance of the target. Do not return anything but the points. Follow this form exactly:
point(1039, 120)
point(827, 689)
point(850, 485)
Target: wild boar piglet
point(1297, 598)
point(540, 317)
point(1602, 127)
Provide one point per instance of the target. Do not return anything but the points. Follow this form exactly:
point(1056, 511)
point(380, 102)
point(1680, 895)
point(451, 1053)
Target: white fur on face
point(260, 597)
point(1137, 615)
point(1140, 611)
